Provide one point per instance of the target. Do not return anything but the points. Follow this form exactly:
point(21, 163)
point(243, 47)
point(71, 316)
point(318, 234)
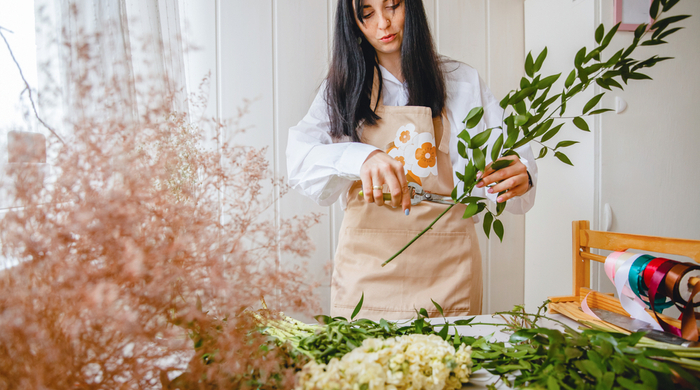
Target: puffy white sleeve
point(467, 90)
point(317, 166)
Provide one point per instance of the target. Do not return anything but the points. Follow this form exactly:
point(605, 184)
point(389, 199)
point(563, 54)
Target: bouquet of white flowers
point(413, 361)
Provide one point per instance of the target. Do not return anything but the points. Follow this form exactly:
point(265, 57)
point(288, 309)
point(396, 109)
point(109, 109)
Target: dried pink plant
point(138, 245)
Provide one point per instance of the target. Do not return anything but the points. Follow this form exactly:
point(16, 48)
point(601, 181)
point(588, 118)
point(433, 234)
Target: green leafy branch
point(536, 115)
point(534, 356)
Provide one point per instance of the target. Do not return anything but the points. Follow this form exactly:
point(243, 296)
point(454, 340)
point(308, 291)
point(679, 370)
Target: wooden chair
point(584, 239)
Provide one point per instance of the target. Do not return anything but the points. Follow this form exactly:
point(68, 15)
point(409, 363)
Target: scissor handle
point(386, 196)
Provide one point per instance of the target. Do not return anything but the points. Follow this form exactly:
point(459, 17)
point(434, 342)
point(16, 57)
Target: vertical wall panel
point(564, 193)
point(505, 48)
point(461, 32)
point(246, 49)
point(301, 54)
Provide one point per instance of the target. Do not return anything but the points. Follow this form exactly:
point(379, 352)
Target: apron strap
point(444, 127)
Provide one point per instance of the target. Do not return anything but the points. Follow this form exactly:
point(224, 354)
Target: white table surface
point(480, 379)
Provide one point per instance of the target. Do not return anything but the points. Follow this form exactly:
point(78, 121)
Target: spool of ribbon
point(642, 280)
point(638, 285)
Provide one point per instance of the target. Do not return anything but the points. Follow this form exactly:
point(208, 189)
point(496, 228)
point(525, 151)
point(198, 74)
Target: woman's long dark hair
point(351, 75)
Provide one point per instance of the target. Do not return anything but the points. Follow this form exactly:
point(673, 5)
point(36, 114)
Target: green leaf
point(479, 159)
point(592, 103)
point(480, 139)
point(663, 23)
point(627, 383)
point(609, 35)
point(614, 83)
point(470, 211)
point(668, 4)
point(358, 307)
point(543, 152)
point(651, 364)
point(471, 199)
point(552, 383)
point(498, 227)
point(548, 81)
point(572, 353)
point(496, 148)
point(464, 322)
point(669, 32)
point(524, 83)
point(640, 30)
point(580, 56)
point(551, 133)
point(469, 173)
point(564, 144)
point(464, 135)
point(654, 9)
point(443, 332)
point(549, 101)
point(474, 117)
point(581, 123)
point(542, 128)
point(488, 220)
point(540, 59)
point(570, 80)
point(563, 158)
point(323, 319)
point(591, 368)
point(615, 58)
point(607, 382)
point(599, 33)
point(504, 101)
point(500, 164)
point(654, 43)
point(521, 119)
point(521, 95)
point(512, 137)
point(639, 76)
point(601, 111)
point(648, 379)
point(462, 150)
point(520, 107)
point(529, 65)
point(454, 190)
point(603, 83)
point(438, 307)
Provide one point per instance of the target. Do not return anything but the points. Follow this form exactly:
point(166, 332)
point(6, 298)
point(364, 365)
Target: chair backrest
point(585, 239)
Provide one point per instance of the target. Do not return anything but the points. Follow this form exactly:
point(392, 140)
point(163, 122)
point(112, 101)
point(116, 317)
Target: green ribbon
point(636, 279)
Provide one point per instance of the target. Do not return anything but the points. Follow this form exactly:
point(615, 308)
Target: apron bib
point(443, 265)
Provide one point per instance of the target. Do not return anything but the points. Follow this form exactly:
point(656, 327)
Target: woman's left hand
point(513, 179)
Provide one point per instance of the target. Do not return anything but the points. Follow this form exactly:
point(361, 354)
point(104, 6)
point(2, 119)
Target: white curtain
point(133, 46)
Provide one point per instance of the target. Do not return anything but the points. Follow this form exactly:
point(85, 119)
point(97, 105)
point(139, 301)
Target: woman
point(388, 114)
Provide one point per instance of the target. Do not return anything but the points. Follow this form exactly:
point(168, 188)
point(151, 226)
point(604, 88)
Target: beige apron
point(443, 265)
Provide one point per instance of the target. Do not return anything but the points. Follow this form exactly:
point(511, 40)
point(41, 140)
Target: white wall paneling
point(641, 162)
point(276, 53)
point(564, 193)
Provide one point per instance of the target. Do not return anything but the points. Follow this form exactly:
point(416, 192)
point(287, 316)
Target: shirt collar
point(387, 76)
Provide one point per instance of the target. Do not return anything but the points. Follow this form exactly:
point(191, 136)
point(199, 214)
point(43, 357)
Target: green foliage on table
point(535, 357)
point(536, 113)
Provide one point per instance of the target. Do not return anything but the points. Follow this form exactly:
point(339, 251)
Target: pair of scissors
point(418, 195)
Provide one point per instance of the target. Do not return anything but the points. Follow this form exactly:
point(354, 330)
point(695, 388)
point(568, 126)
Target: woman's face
point(382, 24)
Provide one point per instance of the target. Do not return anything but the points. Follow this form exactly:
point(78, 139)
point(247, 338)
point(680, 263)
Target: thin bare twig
point(26, 86)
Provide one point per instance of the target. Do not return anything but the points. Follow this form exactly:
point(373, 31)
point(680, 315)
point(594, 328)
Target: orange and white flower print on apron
point(443, 265)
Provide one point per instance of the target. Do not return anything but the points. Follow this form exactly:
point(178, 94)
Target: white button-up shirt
point(324, 169)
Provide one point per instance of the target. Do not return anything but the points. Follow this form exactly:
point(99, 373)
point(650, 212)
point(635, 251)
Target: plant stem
point(419, 235)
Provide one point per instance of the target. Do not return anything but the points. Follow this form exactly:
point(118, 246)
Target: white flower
point(406, 362)
point(405, 135)
point(422, 155)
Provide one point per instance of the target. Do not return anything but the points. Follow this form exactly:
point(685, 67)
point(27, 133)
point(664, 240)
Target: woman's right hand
point(379, 169)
